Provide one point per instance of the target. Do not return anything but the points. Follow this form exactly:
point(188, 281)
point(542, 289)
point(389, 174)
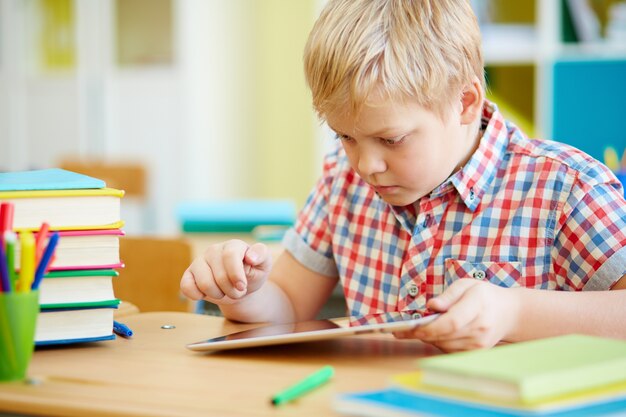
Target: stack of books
point(76, 295)
point(572, 375)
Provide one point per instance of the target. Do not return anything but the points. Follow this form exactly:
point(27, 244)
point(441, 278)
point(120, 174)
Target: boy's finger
point(454, 322)
point(204, 279)
point(457, 345)
point(258, 256)
point(231, 273)
point(223, 277)
point(189, 288)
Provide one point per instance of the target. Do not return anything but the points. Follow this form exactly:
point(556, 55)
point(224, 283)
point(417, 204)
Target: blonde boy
point(431, 200)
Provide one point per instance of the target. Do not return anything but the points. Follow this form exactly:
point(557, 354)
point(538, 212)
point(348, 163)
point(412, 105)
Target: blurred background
point(205, 99)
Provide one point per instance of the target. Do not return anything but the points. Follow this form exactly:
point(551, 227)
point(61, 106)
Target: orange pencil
point(40, 244)
point(623, 161)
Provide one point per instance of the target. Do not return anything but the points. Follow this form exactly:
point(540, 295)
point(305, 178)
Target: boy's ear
point(472, 102)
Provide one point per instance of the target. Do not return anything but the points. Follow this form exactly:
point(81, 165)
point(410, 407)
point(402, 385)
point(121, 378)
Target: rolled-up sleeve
point(310, 239)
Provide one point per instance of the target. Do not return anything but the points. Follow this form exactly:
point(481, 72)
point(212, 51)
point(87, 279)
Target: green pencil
point(307, 384)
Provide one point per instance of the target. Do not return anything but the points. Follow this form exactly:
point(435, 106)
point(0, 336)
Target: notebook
point(530, 371)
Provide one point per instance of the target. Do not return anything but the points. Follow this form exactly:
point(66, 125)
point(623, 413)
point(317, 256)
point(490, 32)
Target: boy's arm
point(547, 313)
point(479, 314)
point(292, 293)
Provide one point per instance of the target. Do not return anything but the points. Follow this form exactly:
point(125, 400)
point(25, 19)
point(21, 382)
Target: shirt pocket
point(502, 273)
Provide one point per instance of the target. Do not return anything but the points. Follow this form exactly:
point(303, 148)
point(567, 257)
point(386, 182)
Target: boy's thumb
point(450, 296)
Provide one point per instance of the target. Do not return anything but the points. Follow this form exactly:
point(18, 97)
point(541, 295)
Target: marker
point(39, 241)
point(6, 219)
point(27, 261)
point(10, 239)
point(121, 329)
point(307, 384)
point(45, 260)
point(4, 271)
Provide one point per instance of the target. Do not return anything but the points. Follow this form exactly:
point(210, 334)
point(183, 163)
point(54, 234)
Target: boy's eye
point(393, 141)
point(342, 137)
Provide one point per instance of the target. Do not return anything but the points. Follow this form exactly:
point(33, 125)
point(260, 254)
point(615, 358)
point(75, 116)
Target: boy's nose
point(371, 163)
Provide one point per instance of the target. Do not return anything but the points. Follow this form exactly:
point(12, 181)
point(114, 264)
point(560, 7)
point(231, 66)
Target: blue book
point(74, 341)
point(47, 179)
point(397, 402)
point(241, 216)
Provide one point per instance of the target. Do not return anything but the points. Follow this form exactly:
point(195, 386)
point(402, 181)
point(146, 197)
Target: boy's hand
point(227, 272)
point(476, 314)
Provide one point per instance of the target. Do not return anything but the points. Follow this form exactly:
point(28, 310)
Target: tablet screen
point(311, 330)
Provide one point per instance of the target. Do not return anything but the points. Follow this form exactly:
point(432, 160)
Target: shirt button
point(413, 290)
point(416, 316)
point(479, 274)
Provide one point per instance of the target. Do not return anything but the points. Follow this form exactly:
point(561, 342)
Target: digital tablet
point(306, 331)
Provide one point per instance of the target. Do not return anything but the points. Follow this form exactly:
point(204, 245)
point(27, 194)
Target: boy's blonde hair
point(423, 49)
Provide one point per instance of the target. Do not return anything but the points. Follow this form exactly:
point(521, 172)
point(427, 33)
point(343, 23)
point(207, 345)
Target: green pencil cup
point(18, 318)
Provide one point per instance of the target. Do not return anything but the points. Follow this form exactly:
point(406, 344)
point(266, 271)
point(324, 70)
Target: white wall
point(185, 122)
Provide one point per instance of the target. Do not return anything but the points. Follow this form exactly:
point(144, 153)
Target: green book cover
point(78, 289)
point(531, 371)
point(82, 273)
point(114, 303)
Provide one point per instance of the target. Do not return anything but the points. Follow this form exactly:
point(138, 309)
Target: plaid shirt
point(521, 212)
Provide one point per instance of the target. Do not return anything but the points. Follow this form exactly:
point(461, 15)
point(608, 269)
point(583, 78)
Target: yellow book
point(64, 199)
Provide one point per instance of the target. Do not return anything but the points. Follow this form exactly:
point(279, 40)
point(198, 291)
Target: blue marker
point(45, 260)
point(121, 329)
point(5, 277)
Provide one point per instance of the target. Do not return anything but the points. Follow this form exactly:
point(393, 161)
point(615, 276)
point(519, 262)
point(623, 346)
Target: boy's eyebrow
point(379, 133)
point(385, 132)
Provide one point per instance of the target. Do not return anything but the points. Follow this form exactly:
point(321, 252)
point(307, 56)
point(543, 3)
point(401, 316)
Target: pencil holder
point(18, 317)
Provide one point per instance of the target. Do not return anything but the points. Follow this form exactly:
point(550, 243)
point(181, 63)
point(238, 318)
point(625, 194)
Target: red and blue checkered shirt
point(521, 212)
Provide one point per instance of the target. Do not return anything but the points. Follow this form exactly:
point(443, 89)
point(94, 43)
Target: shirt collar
point(472, 180)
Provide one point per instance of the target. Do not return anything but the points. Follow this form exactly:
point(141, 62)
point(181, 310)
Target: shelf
point(509, 44)
point(593, 50)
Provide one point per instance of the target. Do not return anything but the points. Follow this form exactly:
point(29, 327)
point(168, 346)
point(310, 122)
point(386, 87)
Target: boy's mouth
point(385, 189)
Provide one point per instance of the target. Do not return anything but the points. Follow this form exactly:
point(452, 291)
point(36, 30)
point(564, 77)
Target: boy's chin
point(401, 199)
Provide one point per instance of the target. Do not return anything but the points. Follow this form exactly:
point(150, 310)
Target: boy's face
point(403, 150)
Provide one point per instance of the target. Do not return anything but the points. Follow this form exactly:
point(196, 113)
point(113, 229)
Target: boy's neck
point(475, 134)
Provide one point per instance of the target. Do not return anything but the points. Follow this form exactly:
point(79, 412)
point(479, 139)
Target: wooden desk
point(153, 374)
